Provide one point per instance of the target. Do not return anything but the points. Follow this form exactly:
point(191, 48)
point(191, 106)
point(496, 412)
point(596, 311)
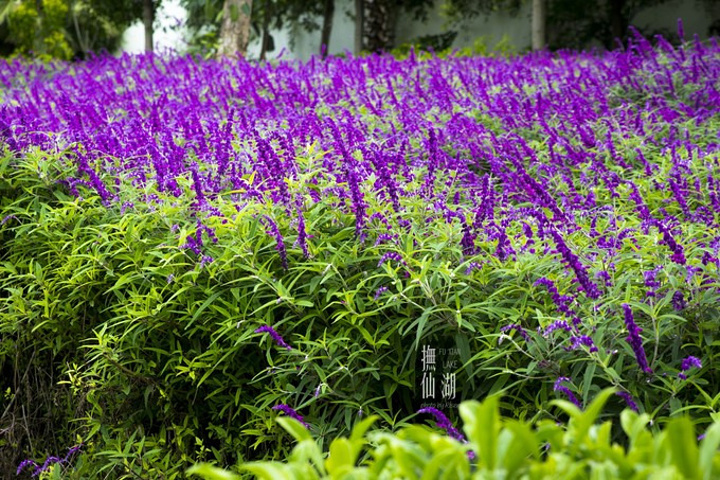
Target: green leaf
point(359, 429)
point(341, 459)
point(268, 470)
point(210, 472)
point(683, 446)
point(583, 422)
point(708, 450)
point(482, 426)
point(294, 428)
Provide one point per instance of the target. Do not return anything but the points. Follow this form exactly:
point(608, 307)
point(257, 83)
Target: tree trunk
point(359, 25)
point(617, 21)
point(538, 24)
point(38, 44)
point(265, 41)
point(379, 24)
point(328, 12)
point(148, 20)
point(235, 28)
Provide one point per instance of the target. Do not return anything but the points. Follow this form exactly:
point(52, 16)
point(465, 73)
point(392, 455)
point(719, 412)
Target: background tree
point(564, 23)
point(581, 24)
point(204, 18)
point(376, 21)
point(539, 19)
point(68, 28)
point(234, 28)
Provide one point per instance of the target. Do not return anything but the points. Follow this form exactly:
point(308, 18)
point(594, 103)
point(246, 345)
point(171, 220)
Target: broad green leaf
point(294, 428)
point(583, 422)
point(482, 426)
point(683, 446)
point(360, 428)
point(269, 471)
point(210, 472)
point(709, 450)
point(341, 459)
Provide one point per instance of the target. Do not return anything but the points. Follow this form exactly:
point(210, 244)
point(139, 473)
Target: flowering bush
point(551, 217)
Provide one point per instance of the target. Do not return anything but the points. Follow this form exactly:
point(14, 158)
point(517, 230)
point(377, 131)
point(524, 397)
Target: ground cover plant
point(190, 249)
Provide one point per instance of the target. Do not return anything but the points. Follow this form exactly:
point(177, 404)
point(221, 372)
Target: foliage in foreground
point(500, 448)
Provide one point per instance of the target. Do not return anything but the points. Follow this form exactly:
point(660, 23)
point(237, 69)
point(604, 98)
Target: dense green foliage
point(500, 448)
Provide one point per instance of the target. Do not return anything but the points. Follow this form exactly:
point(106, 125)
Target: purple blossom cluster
point(49, 462)
point(275, 335)
point(629, 401)
point(218, 124)
point(290, 412)
point(635, 340)
point(687, 364)
point(442, 421)
point(559, 387)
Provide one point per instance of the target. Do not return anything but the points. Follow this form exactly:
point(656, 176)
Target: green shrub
point(500, 448)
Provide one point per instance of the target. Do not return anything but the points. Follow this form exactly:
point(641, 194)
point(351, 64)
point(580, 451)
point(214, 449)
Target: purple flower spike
point(395, 256)
point(290, 412)
point(443, 422)
point(518, 328)
point(379, 292)
point(276, 336)
point(628, 400)
point(634, 339)
point(24, 464)
point(678, 301)
point(687, 364)
point(275, 233)
point(559, 387)
point(48, 461)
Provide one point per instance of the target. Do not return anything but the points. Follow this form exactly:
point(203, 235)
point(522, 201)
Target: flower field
point(191, 249)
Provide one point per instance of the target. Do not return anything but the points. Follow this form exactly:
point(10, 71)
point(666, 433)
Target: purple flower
point(559, 387)
point(290, 412)
point(579, 340)
point(678, 300)
point(24, 464)
point(560, 301)
point(443, 422)
point(687, 364)
point(572, 261)
point(678, 255)
point(302, 234)
point(395, 256)
point(276, 336)
point(275, 233)
point(48, 461)
point(468, 241)
point(516, 327)
point(628, 400)
point(650, 281)
point(556, 325)
point(7, 218)
point(634, 339)
point(472, 266)
point(379, 292)
point(384, 237)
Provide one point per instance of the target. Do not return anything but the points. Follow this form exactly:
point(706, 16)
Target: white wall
point(169, 30)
